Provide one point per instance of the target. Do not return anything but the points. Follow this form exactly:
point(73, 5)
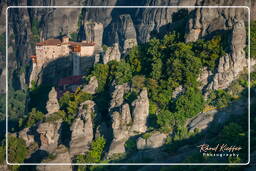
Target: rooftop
point(57, 42)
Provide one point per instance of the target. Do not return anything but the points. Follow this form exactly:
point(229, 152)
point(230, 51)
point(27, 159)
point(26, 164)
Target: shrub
point(120, 72)
point(33, 117)
point(17, 150)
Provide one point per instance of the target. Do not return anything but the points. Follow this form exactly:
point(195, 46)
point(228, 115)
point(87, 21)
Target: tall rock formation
point(52, 104)
point(82, 128)
point(124, 124)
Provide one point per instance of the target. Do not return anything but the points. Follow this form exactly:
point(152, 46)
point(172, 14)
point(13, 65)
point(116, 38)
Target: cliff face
point(127, 27)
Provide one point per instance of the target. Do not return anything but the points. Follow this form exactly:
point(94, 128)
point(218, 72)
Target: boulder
point(155, 140)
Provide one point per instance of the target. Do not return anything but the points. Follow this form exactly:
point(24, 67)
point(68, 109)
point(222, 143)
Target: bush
point(219, 98)
point(33, 117)
point(94, 155)
point(166, 120)
point(190, 103)
point(120, 72)
point(101, 71)
point(17, 150)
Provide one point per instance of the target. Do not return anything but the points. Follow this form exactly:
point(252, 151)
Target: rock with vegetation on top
point(112, 53)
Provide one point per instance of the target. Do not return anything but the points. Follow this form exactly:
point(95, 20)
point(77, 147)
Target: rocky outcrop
point(61, 156)
point(217, 116)
point(231, 64)
point(92, 86)
point(52, 105)
point(124, 124)
point(82, 128)
point(49, 135)
point(140, 112)
point(28, 138)
point(94, 32)
point(155, 140)
point(122, 31)
point(112, 53)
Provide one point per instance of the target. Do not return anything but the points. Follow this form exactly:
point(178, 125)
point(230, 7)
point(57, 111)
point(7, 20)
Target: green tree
point(33, 117)
point(133, 59)
point(120, 72)
point(17, 151)
point(101, 71)
point(190, 103)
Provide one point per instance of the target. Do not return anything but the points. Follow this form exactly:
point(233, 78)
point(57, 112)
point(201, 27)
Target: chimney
point(65, 39)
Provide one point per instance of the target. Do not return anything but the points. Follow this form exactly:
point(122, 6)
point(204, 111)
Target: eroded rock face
point(24, 134)
point(155, 140)
point(124, 124)
point(49, 135)
point(82, 128)
point(92, 86)
point(112, 53)
point(140, 112)
point(62, 156)
point(231, 64)
point(94, 32)
point(52, 105)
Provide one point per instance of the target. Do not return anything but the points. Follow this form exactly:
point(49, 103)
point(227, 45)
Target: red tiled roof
point(53, 42)
point(49, 42)
point(71, 80)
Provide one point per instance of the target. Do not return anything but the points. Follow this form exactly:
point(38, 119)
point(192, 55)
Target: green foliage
point(2, 44)
point(253, 39)
point(209, 51)
point(153, 108)
point(35, 31)
point(69, 104)
point(2, 154)
point(33, 117)
point(97, 147)
point(38, 97)
point(94, 155)
point(2, 107)
point(138, 81)
point(16, 104)
point(105, 48)
point(120, 72)
point(219, 98)
point(101, 72)
point(60, 115)
point(130, 97)
point(74, 36)
point(130, 145)
point(17, 150)
point(134, 59)
point(166, 120)
point(190, 103)
point(232, 134)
